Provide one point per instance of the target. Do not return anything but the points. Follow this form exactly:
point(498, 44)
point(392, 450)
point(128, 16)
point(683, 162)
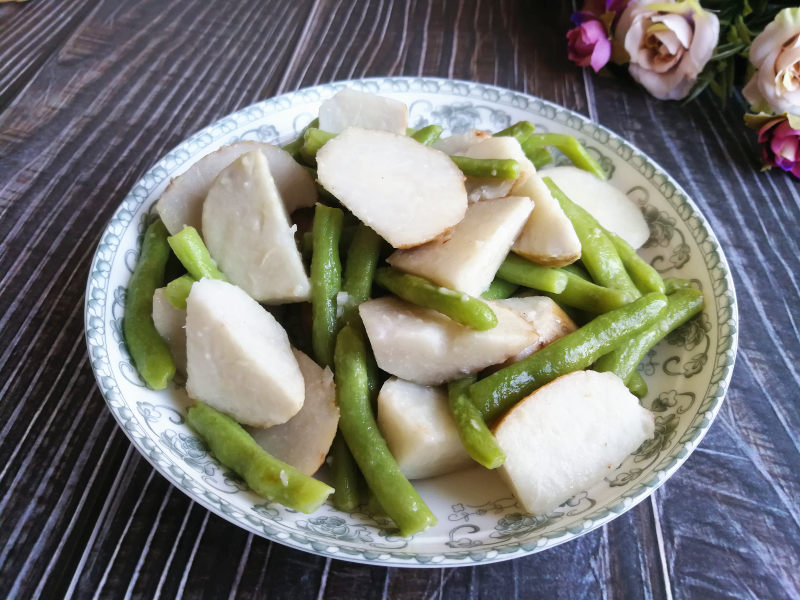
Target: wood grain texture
point(92, 94)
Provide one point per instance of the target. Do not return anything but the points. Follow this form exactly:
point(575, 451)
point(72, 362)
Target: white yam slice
point(426, 347)
point(496, 147)
point(567, 436)
point(181, 204)
point(170, 322)
point(547, 318)
point(238, 357)
point(248, 233)
point(610, 206)
point(460, 142)
point(421, 434)
point(548, 237)
point(467, 258)
point(351, 108)
point(304, 440)
point(407, 192)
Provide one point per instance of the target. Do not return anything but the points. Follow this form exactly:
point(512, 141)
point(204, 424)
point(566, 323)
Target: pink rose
point(668, 47)
point(588, 43)
point(780, 145)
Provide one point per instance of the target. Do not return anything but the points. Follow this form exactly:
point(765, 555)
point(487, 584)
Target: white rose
point(668, 48)
point(776, 55)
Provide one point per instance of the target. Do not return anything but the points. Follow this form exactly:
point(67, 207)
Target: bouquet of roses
point(677, 49)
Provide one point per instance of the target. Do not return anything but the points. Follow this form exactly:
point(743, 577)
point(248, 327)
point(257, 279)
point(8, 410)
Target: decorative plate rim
point(96, 299)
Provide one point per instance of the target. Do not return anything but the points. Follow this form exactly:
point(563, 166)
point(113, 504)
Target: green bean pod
point(148, 350)
point(495, 168)
point(681, 306)
point(585, 295)
point(428, 135)
point(359, 269)
point(459, 306)
point(540, 157)
point(577, 270)
point(498, 392)
point(266, 475)
point(193, 254)
point(357, 424)
point(637, 385)
point(598, 253)
point(326, 281)
point(294, 146)
point(313, 140)
point(475, 436)
point(345, 475)
point(520, 130)
point(644, 276)
point(673, 284)
point(499, 289)
point(177, 291)
point(520, 271)
point(571, 148)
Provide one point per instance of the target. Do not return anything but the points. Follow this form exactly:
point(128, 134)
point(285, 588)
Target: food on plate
point(424, 346)
point(567, 435)
point(247, 232)
point(610, 206)
point(238, 357)
point(407, 192)
point(181, 204)
point(489, 254)
point(467, 258)
point(420, 431)
point(304, 440)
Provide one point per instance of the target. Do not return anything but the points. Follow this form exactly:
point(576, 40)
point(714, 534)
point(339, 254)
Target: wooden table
point(93, 92)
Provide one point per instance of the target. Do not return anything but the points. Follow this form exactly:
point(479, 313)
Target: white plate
point(479, 520)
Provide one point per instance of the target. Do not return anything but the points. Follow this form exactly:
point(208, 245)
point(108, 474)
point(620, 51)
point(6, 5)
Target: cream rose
point(668, 43)
point(775, 53)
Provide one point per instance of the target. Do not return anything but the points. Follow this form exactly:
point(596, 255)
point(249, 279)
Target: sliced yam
point(568, 435)
point(416, 423)
point(238, 357)
point(610, 206)
point(351, 108)
point(460, 142)
point(548, 238)
point(425, 347)
point(248, 233)
point(547, 318)
point(467, 258)
point(496, 147)
point(170, 323)
point(407, 192)
point(181, 204)
point(304, 440)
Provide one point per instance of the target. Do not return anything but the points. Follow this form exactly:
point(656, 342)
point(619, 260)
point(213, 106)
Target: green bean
point(326, 281)
point(476, 438)
point(501, 390)
point(345, 475)
point(294, 146)
point(193, 254)
point(516, 269)
point(598, 253)
point(637, 385)
point(359, 270)
point(428, 135)
point(497, 168)
point(539, 157)
point(681, 306)
point(499, 289)
point(313, 140)
point(520, 130)
point(577, 270)
point(266, 475)
point(585, 295)
point(571, 148)
point(459, 306)
point(148, 350)
point(673, 284)
point(177, 291)
point(644, 276)
point(374, 506)
point(357, 424)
